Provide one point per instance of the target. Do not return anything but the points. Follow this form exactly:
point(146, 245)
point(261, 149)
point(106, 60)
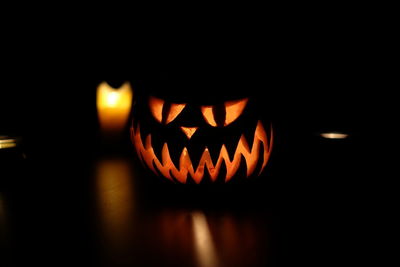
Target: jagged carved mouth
point(260, 150)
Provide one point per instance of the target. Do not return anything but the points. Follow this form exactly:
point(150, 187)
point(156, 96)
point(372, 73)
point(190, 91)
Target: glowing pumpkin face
point(186, 142)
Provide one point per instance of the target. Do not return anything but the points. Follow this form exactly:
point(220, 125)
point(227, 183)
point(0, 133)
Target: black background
point(314, 75)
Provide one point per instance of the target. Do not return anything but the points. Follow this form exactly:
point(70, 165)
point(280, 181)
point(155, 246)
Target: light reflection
point(115, 202)
point(204, 245)
point(193, 238)
point(334, 135)
point(6, 142)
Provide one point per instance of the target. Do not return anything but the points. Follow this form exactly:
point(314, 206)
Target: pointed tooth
point(249, 135)
point(195, 154)
point(222, 173)
point(175, 152)
point(157, 147)
point(165, 157)
point(231, 148)
point(244, 144)
point(258, 170)
point(241, 173)
point(214, 149)
point(232, 139)
point(206, 177)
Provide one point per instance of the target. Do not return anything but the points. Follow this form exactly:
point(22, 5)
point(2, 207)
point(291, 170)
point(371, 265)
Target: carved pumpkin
point(191, 141)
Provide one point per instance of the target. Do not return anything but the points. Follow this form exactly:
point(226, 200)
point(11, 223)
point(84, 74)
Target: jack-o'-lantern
point(201, 137)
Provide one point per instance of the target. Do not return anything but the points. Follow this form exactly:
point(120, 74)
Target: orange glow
point(167, 168)
point(114, 106)
point(175, 110)
point(208, 115)
point(334, 135)
point(156, 106)
point(234, 109)
point(116, 202)
point(203, 241)
point(189, 131)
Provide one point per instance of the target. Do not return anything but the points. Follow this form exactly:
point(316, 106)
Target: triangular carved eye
point(164, 112)
point(224, 115)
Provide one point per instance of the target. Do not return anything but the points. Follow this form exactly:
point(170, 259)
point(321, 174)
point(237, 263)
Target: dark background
point(314, 76)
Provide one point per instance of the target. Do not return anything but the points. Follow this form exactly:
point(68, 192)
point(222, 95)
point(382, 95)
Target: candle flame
point(112, 99)
point(114, 106)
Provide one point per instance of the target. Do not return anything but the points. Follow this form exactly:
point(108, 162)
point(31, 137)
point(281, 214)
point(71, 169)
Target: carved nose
point(189, 131)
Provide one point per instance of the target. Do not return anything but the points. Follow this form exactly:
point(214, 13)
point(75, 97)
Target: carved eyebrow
point(219, 113)
point(234, 109)
point(164, 112)
point(156, 106)
point(172, 110)
point(224, 114)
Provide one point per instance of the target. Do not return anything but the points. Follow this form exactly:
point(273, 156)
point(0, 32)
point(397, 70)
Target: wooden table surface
point(103, 209)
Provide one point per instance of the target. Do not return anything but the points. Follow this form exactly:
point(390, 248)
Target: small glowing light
point(334, 135)
point(7, 142)
point(114, 106)
point(112, 99)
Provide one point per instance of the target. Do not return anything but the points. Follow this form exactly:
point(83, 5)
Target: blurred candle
point(334, 135)
point(113, 107)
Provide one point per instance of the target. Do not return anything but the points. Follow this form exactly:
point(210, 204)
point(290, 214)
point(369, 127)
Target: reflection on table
point(171, 236)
